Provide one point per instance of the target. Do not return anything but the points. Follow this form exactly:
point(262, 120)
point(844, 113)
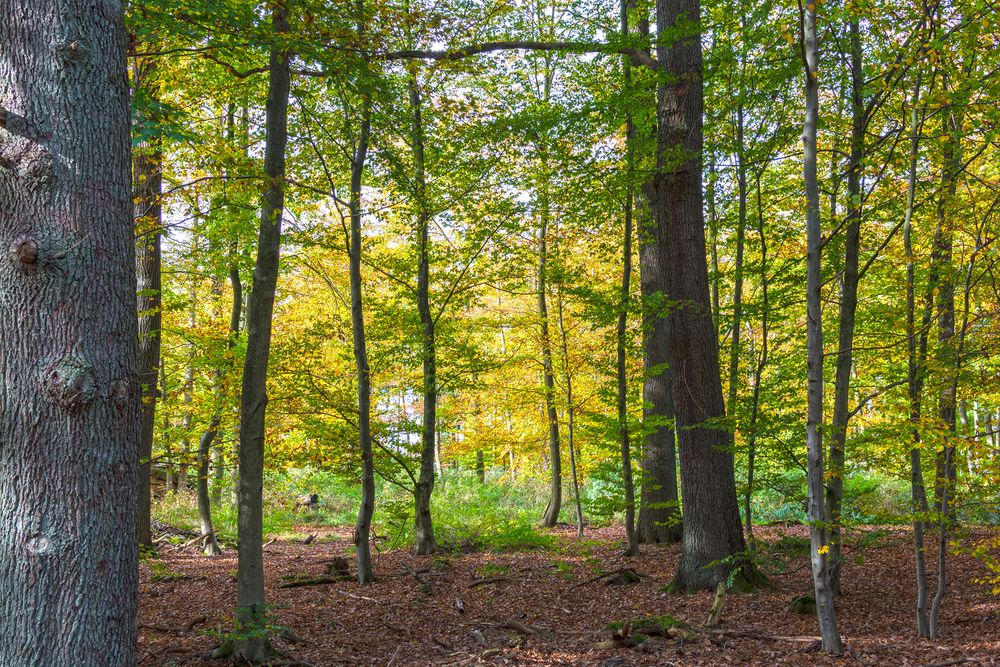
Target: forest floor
point(533, 608)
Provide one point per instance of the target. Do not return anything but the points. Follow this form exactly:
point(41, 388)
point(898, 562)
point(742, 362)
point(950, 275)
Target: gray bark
point(253, 400)
point(70, 405)
point(819, 518)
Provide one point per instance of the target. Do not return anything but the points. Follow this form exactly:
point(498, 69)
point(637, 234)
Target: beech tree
point(69, 412)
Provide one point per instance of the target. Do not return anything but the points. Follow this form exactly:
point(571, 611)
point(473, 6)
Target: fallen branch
point(804, 639)
point(517, 626)
point(625, 571)
point(488, 580)
point(314, 581)
point(956, 661)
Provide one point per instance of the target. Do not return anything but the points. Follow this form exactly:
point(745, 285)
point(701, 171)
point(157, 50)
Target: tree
point(819, 518)
point(713, 535)
point(250, 609)
point(147, 168)
point(70, 411)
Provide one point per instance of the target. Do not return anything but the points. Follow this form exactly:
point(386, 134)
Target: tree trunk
point(363, 527)
point(818, 516)
point(551, 516)
point(631, 537)
point(943, 243)
point(758, 370)
point(659, 511)
point(570, 418)
point(250, 610)
point(425, 481)
point(70, 405)
point(713, 535)
point(211, 544)
point(848, 308)
point(147, 174)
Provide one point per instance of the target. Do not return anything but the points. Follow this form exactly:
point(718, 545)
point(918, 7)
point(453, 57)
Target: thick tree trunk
point(425, 481)
point(250, 610)
point(711, 521)
point(818, 516)
point(659, 511)
point(363, 527)
point(848, 308)
point(147, 168)
point(70, 405)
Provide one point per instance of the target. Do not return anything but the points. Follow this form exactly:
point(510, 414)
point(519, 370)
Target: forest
point(503, 332)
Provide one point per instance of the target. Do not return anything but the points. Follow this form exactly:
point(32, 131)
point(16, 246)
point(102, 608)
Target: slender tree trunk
point(713, 242)
point(945, 307)
point(147, 174)
point(366, 510)
point(631, 536)
point(551, 516)
point(570, 418)
point(211, 544)
point(168, 455)
point(184, 481)
point(848, 308)
point(818, 516)
point(425, 481)
point(713, 534)
point(70, 405)
point(758, 370)
point(250, 610)
point(737, 328)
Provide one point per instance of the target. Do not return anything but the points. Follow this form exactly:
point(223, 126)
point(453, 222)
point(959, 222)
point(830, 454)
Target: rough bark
point(424, 538)
point(713, 535)
point(819, 519)
point(659, 511)
point(848, 308)
point(147, 167)
point(260, 313)
point(70, 405)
